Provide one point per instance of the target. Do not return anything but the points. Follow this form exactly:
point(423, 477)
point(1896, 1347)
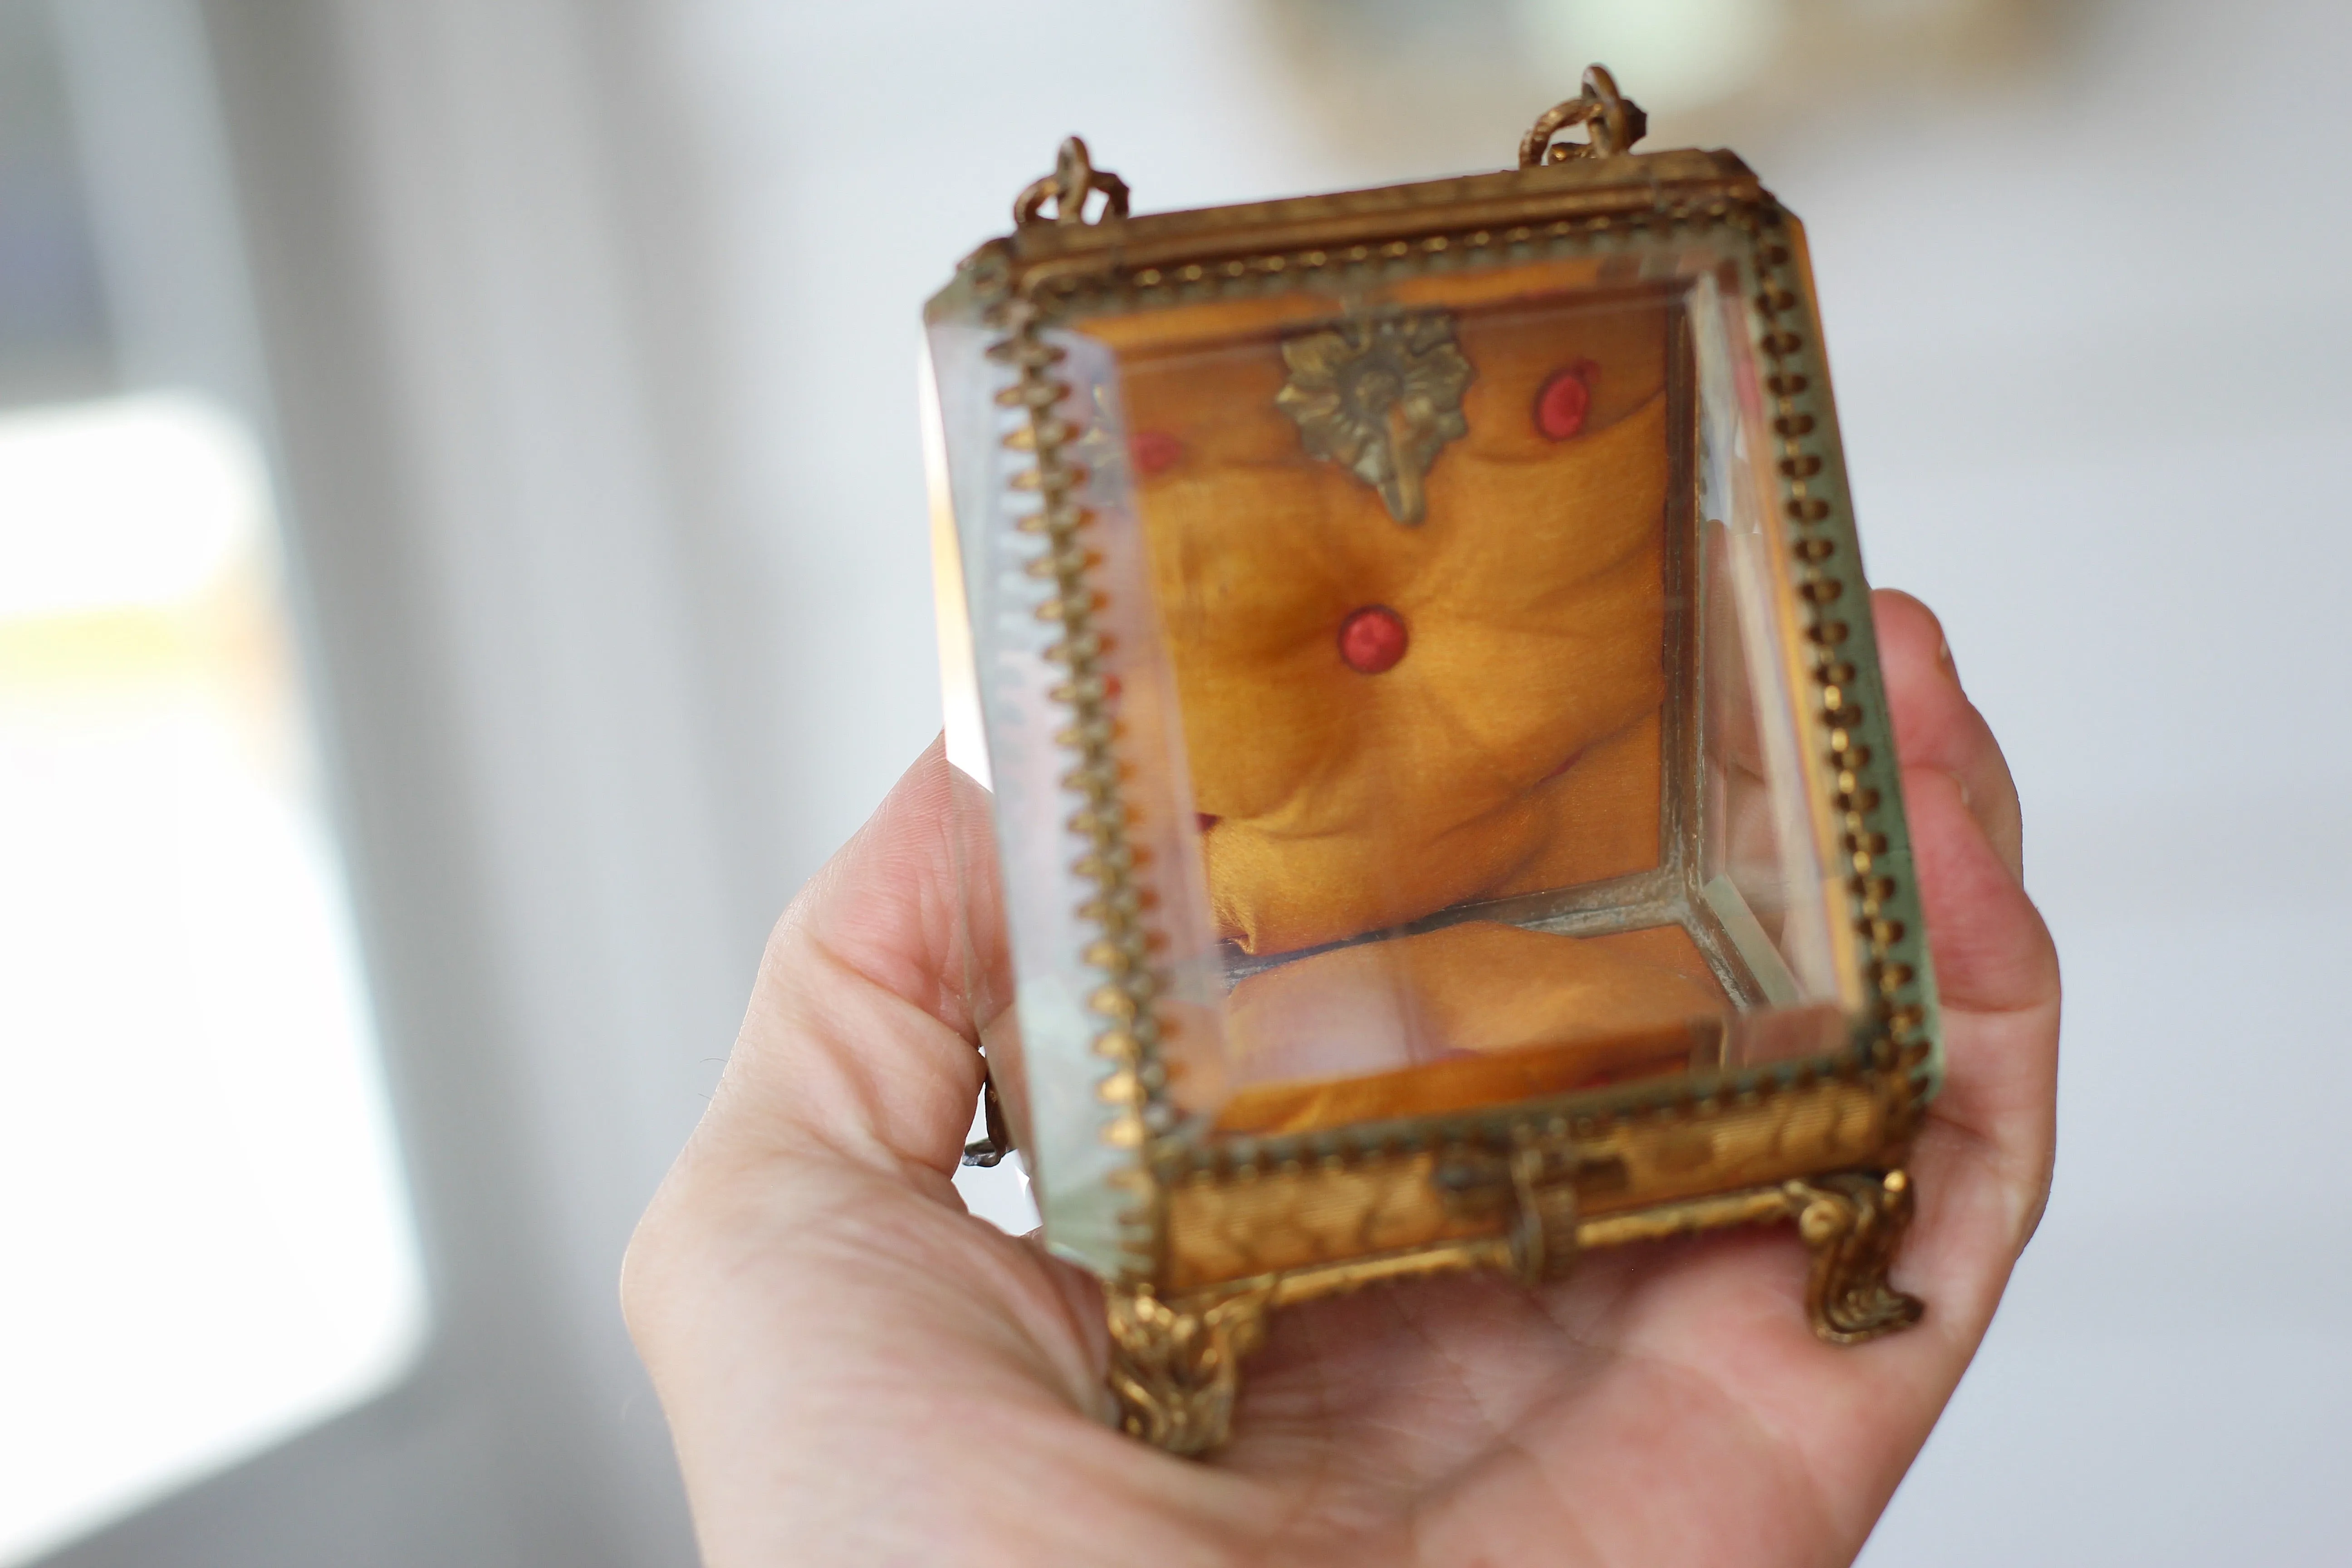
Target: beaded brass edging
point(1846, 710)
point(1849, 704)
point(1850, 728)
point(1119, 951)
point(1090, 285)
point(1579, 1118)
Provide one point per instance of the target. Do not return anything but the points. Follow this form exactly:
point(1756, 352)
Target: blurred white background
point(572, 348)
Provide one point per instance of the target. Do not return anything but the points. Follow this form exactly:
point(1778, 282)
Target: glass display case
point(1445, 811)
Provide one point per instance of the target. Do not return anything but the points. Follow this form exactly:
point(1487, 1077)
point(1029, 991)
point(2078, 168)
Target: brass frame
point(1235, 1226)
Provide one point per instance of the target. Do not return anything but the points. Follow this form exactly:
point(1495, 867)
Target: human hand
point(856, 1371)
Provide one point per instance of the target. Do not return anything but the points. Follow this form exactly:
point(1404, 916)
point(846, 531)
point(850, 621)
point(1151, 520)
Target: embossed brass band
point(1323, 1212)
point(1175, 1362)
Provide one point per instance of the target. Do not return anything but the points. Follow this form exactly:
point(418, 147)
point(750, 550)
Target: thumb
point(862, 1036)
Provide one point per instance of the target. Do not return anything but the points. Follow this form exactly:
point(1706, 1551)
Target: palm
point(855, 1368)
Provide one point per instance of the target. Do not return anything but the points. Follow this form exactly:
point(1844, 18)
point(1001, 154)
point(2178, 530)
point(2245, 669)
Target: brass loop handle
point(1613, 123)
point(1073, 179)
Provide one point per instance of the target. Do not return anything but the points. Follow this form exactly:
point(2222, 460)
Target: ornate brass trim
point(1538, 1182)
point(1119, 953)
point(1854, 1223)
point(1379, 396)
point(1244, 1209)
point(1300, 237)
point(1175, 1371)
point(1176, 1362)
point(1856, 743)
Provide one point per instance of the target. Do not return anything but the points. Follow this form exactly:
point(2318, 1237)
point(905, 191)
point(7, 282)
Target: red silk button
point(1154, 451)
point(1372, 640)
point(1561, 406)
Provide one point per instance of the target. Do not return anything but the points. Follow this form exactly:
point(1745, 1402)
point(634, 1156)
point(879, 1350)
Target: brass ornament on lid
point(1379, 397)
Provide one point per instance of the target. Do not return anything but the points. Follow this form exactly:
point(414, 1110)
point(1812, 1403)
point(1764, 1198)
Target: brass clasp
point(1534, 1186)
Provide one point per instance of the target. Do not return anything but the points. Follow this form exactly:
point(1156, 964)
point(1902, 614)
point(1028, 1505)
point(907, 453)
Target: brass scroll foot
point(1176, 1370)
point(1853, 1223)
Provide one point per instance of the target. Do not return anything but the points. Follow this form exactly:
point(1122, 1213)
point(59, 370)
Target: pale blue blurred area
point(591, 334)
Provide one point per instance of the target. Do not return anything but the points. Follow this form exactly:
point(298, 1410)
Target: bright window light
point(208, 1240)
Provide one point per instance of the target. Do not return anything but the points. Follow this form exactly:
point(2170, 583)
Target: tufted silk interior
point(1384, 720)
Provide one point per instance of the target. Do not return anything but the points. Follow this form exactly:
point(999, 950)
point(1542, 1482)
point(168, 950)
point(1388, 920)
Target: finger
point(1992, 953)
point(862, 1034)
point(1997, 973)
point(1936, 726)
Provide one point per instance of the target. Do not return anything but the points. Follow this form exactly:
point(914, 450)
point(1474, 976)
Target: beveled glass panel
point(1495, 788)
